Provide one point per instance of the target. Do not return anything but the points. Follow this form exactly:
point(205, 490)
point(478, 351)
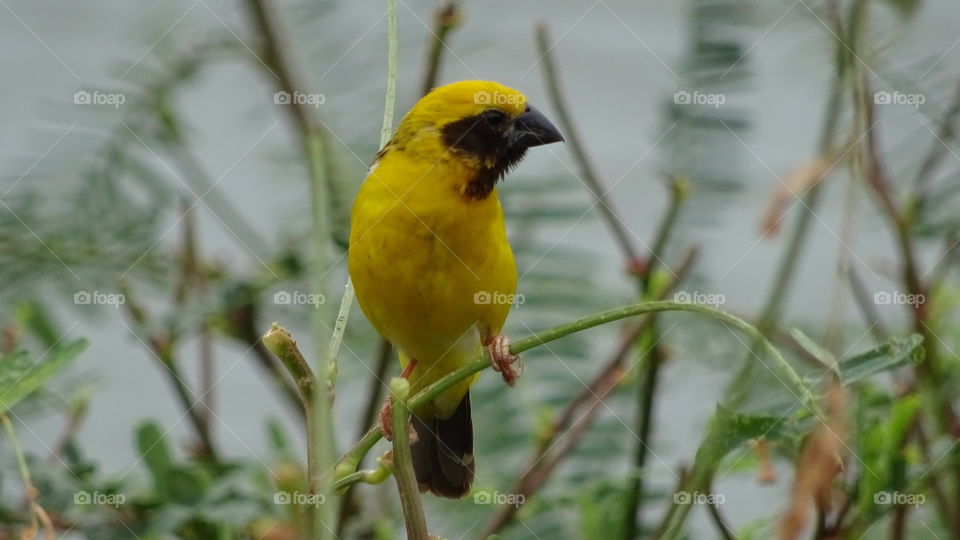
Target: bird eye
point(494, 117)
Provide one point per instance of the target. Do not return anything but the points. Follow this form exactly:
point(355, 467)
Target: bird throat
point(474, 140)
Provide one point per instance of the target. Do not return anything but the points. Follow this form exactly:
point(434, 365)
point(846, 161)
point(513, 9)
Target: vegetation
point(860, 439)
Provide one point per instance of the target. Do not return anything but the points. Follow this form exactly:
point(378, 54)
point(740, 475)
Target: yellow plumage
point(440, 249)
point(427, 237)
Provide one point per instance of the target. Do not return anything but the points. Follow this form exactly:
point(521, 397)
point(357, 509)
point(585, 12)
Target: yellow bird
point(429, 257)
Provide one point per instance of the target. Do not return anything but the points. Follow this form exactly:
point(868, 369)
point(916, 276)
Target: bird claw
point(385, 423)
point(505, 363)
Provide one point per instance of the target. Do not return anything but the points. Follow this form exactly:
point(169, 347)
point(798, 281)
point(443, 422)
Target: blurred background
point(790, 162)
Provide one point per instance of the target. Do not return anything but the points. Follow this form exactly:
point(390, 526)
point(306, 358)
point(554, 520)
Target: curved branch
point(351, 459)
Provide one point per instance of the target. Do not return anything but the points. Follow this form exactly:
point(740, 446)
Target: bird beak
point(532, 129)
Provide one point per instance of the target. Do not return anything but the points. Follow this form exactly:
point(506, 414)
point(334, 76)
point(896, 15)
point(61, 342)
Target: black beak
point(532, 129)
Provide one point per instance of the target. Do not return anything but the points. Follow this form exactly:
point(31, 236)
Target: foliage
point(862, 445)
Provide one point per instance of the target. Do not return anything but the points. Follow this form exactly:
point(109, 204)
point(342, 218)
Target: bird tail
point(443, 453)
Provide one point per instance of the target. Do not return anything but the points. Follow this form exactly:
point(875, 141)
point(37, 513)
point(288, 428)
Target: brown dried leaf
point(796, 184)
point(818, 466)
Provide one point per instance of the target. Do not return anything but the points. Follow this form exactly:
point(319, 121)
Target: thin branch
point(161, 348)
point(375, 395)
point(321, 449)
point(540, 466)
point(587, 171)
point(349, 461)
point(37, 514)
point(652, 359)
point(243, 320)
point(279, 342)
point(938, 150)
point(414, 520)
point(713, 509)
point(868, 307)
point(445, 19)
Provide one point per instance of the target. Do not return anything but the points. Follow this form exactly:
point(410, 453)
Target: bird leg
point(385, 417)
point(505, 363)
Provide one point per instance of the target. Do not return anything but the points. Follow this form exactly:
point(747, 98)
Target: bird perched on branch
point(429, 257)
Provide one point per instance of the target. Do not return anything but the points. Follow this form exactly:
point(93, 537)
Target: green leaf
point(740, 428)
point(815, 350)
point(35, 316)
point(156, 456)
point(883, 358)
point(19, 377)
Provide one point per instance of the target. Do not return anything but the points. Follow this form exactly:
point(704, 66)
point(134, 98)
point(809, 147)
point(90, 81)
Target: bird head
point(482, 127)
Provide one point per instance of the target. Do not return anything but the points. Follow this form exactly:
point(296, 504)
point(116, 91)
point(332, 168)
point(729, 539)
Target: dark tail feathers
point(443, 453)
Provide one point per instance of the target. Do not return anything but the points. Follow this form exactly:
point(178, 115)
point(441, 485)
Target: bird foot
point(505, 363)
point(385, 423)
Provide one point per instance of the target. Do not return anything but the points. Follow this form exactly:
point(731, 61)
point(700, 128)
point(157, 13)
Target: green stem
point(428, 394)
point(279, 342)
point(391, 93)
point(652, 358)
point(368, 440)
point(31, 491)
point(336, 338)
point(414, 520)
point(321, 453)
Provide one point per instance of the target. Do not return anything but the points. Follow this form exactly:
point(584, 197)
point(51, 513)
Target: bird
point(430, 262)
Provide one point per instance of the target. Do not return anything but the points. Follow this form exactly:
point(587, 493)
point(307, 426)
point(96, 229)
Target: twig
point(930, 369)
point(279, 342)
point(375, 396)
point(587, 171)
point(446, 18)
point(192, 281)
point(243, 320)
point(336, 338)
point(652, 359)
point(205, 190)
point(713, 509)
point(416, 523)
point(940, 269)
point(540, 465)
point(770, 315)
point(320, 436)
point(867, 306)
point(37, 514)
point(939, 494)
point(938, 150)
point(161, 348)
point(392, 57)
point(621, 234)
point(612, 370)
point(633, 505)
